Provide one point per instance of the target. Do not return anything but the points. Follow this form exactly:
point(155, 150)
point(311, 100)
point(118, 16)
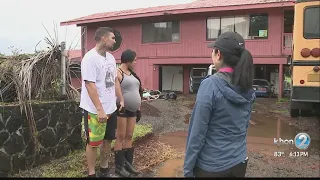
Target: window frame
point(250, 15)
point(219, 31)
point(304, 20)
point(163, 42)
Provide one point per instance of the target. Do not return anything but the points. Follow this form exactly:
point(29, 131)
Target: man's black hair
point(100, 32)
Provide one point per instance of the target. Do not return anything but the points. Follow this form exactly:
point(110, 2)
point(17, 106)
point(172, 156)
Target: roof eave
point(180, 11)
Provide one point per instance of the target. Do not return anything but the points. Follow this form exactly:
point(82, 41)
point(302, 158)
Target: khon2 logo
point(302, 141)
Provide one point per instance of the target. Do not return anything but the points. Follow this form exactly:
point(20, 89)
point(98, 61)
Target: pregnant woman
point(131, 91)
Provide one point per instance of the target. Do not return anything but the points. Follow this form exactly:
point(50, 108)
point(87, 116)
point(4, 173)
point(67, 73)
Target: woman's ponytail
point(140, 85)
point(243, 71)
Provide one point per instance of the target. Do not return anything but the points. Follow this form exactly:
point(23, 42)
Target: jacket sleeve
point(198, 126)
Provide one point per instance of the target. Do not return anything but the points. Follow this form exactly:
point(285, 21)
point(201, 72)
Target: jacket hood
point(233, 93)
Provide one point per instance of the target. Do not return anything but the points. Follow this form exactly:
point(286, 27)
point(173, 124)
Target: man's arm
point(93, 94)
point(89, 75)
point(118, 89)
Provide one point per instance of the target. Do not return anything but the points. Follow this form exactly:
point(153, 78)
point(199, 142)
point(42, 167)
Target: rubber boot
point(128, 161)
point(119, 157)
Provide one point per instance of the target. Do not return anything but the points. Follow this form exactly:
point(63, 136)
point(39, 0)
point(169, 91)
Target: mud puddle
point(171, 168)
point(264, 128)
point(267, 127)
point(260, 139)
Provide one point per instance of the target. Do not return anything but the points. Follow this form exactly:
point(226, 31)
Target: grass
point(288, 79)
point(282, 100)
point(280, 111)
point(74, 164)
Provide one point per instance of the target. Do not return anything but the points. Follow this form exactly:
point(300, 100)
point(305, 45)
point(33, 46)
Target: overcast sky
point(21, 20)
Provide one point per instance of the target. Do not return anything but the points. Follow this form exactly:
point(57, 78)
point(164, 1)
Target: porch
point(185, 78)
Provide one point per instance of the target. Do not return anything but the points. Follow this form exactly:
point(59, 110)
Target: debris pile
point(153, 152)
point(37, 77)
point(24, 79)
point(149, 95)
point(148, 110)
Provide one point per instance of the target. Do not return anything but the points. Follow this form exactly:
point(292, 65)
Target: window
point(227, 24)
point(311, 28)
point(259, 26)
point(161, 32)
point(118, 39)
point(213, 28)
point(244, 25)
point(288, 21)
point(199, 72)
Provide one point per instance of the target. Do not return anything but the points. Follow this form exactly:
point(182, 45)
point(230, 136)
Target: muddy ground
point(270, 119)
point(161, 153)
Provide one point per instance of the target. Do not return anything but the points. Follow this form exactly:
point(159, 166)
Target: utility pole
point(63, 68)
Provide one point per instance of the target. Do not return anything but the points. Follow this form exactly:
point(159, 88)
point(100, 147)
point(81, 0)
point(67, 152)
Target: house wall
point(192, 48)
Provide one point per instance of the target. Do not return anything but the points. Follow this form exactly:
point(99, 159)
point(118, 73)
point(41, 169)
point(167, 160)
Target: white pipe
point(63, 68)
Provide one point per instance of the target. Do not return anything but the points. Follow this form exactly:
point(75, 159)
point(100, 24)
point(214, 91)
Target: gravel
point(268, 166)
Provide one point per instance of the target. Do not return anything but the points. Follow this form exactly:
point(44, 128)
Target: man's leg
point(105, 150)
point(90, 121)
point(91, 154)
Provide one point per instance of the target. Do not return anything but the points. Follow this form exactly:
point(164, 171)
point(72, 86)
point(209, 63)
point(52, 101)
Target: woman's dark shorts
point(127, 114)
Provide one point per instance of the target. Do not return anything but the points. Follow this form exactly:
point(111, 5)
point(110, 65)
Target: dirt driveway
point(270, 120)
point(161, 154)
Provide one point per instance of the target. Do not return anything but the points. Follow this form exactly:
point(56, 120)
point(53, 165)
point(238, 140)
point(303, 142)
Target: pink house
point(75, 57)
point(171, 41)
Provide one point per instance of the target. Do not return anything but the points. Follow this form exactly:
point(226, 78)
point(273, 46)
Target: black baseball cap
point(229, 42)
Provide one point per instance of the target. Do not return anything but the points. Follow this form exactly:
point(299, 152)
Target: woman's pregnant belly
point(132, 101)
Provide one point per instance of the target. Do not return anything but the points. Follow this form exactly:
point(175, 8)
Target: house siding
point(192, 48)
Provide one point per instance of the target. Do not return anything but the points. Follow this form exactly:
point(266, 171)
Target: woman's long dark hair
point(128, 56)
point(242, 63)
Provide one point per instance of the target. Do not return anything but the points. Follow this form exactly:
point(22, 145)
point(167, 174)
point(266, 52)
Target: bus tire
point(294, 113)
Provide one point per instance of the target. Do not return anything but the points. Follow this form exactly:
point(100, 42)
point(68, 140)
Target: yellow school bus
point(305, 60)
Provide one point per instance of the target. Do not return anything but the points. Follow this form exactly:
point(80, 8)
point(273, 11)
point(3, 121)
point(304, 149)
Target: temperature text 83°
point(278, 154)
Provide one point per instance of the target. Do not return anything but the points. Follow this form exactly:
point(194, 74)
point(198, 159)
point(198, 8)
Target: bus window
point(312, 27)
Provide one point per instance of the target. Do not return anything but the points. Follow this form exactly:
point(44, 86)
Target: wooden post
point(280, 90)
point(63, 69)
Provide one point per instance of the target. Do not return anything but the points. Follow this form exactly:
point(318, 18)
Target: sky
point(23, 21)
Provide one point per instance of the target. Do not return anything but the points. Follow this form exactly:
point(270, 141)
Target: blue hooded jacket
point(218, 126)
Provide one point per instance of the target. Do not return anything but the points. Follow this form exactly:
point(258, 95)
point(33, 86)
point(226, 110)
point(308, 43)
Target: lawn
point(74, 164)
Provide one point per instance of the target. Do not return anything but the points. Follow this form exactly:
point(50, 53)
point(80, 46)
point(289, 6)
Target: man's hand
point(121, 105)
point(102, 116)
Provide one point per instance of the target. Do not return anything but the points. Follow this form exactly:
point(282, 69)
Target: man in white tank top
point(100, 86)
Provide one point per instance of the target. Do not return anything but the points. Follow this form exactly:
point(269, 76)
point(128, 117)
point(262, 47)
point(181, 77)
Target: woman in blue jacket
point(216, 142)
